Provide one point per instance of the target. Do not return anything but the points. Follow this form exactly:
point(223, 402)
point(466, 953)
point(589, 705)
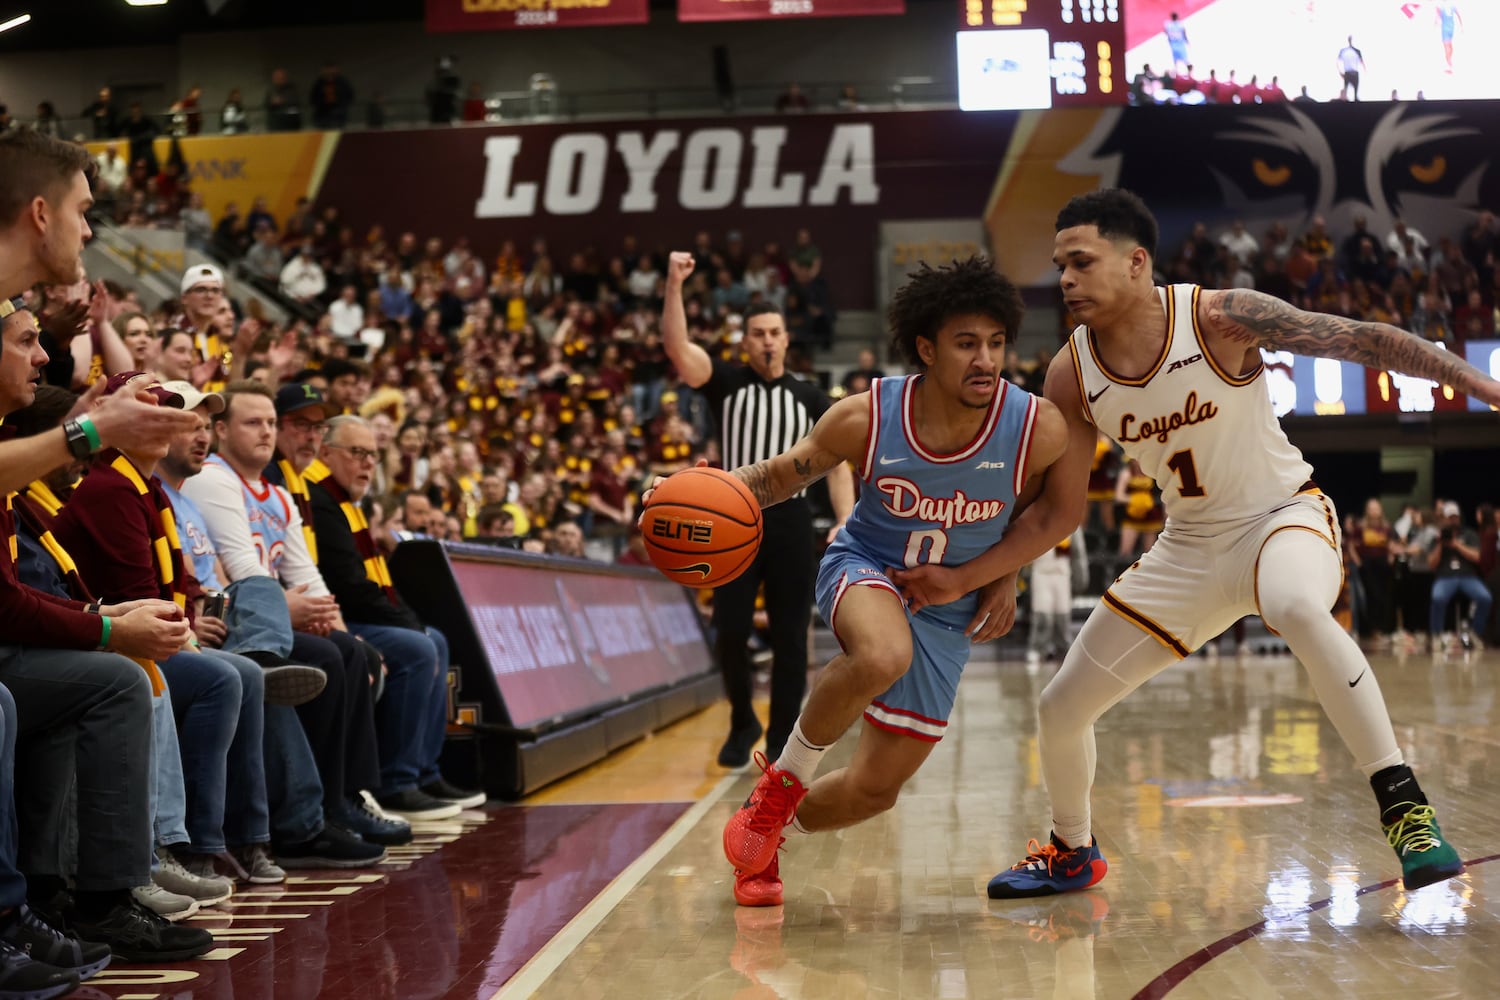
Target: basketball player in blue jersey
point(944, 455)
point(1174, 375)
point(1448, 21)
point(1177, 40)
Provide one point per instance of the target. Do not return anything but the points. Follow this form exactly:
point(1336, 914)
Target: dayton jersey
point(1208, 437)
point(269, 511)
point(922, 507)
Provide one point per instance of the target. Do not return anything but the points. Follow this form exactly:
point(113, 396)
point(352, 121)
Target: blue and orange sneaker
point(763, 888)
point(753, 833)
point(1425, 856)
point(1050, 869)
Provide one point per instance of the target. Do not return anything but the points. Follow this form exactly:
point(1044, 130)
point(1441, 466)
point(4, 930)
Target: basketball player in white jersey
point(1174, 375)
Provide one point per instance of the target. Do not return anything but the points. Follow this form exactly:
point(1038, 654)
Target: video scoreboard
point(1024, 54)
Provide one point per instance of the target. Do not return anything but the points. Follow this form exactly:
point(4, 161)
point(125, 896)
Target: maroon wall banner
point(590, 184)
point(841, 176)
point(760, 10)
point(498, 15)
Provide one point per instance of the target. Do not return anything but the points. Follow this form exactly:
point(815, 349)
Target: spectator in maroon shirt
point(1224, 91)
point(121, 529)
point(1184, 83)
point(1474, 318)
point(84, 719)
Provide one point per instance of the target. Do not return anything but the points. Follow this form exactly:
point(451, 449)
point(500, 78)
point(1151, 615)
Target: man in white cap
point(219, 343)
point(204, 309)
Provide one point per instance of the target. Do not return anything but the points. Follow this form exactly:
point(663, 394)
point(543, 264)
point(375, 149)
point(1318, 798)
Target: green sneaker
point(1425, 856)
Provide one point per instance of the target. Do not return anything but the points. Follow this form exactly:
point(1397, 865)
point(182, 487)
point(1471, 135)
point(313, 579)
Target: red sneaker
point(762, 888)
point(754, 832)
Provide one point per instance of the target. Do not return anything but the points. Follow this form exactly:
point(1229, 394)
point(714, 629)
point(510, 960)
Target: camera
point(213, 603)
point(1446, 534)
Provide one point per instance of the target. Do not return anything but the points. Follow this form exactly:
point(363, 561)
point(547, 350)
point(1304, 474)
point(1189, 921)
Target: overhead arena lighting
point(15, 22)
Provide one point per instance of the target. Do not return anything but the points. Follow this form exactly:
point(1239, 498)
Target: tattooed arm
point(1239, 318)
point(838, 438)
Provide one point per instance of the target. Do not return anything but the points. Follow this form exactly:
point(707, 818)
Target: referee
point(762, 411)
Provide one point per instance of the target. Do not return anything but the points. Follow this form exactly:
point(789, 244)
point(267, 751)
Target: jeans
point(293, 789)
point(219, 699)
point(257, 617)
point(168, 793)
point(258, 622)
point(85, 715)
point(12, 884)
point(1444, 588)
point(411, 718)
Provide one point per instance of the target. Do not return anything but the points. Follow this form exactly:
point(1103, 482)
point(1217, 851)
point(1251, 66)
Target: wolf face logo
point(1429, 163)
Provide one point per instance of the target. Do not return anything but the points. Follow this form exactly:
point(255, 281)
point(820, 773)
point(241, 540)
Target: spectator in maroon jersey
point(1184, 83)
point(474, 109)
point(1474, 319)
point(1224, 91)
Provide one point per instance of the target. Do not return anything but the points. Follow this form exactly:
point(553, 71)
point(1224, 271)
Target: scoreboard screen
point(1023, 54)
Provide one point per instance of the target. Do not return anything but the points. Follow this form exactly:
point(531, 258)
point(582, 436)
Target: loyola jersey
point(922, 507)
point(1208, 437)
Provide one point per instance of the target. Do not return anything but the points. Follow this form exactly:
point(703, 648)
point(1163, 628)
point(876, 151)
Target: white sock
point(1074, 835)
point(800, 756)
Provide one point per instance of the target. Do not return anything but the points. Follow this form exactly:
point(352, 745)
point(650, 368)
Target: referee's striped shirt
point(760, 419)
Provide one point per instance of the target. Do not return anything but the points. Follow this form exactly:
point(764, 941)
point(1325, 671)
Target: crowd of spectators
point(1444, 291)
point(510, 382)
point(1426, 580)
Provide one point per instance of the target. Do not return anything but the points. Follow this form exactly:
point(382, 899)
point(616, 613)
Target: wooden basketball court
point(1245, 861)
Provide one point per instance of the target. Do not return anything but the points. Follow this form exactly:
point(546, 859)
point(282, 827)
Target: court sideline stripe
point(530, 977)
point(1174, 977)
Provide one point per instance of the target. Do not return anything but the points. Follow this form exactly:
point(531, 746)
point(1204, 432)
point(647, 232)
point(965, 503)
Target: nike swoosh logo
point(1095, 395)
point(1360, 677)
point(1071, 872)
point(890, 461)
point(702, 569)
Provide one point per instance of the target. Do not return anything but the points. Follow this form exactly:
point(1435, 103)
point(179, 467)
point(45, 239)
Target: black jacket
point(360, 599)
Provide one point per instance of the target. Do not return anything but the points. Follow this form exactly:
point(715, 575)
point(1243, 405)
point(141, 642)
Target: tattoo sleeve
point(758, 478)
point(780, 478)
point(1256, 318)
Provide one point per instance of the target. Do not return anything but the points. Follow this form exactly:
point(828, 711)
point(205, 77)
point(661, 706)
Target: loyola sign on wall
point(590, 185)
point(709, 172)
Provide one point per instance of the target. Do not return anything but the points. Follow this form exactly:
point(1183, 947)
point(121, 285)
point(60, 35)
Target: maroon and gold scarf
point(364, 540)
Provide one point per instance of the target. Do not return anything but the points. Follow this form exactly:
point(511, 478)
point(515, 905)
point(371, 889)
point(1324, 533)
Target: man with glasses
point(301, 409)
point(201, 317)
point(411, 718)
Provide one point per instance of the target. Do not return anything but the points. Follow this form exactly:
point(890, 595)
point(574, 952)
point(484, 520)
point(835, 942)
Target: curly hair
point(1118, 213)
point(932, 296)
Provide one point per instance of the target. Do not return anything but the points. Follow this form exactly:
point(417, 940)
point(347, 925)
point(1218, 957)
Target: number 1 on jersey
point(1182, 463)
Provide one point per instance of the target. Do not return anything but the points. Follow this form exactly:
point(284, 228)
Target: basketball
point(702, 527)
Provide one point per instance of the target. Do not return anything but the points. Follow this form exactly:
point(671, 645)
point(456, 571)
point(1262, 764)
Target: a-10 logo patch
point(697, 532)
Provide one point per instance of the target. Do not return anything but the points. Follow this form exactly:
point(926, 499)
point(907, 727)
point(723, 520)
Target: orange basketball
point(702, 527)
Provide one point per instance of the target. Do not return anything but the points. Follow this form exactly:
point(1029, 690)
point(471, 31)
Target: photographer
point(1455, 563)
